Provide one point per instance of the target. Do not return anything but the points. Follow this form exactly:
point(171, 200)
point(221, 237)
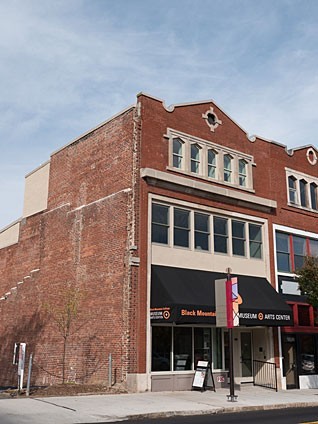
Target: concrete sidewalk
point(109, 408)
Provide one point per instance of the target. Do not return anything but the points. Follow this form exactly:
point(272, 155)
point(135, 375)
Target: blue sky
point(68, 65)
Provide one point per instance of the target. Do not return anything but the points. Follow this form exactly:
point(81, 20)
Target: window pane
point(201, 222)
point(282, 242)
point(283, 262)
point(161, 348)
point(303, 315)
point(159, 234)
point(160, 214)
point(181, 227)
point(255, 232)
point(313, 247)
point(182, 349)
point(292, 189)
point(160, 224)
point(313, 196)
point(242, 172)
point(238, 229)
point(238, 238)
point(303, 192)
point(300, 251)
point(195, 158)
point(202, 345)
point(227, 167)
point(307, 350)
point(255, 235)
point(217, 348)
point(202, 231)
point(255, 250)
point(177, 153)
point(211, 164)
point(177, 147)
point(220, 234)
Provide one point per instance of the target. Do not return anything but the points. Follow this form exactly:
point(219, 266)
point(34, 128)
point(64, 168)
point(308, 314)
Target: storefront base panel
point(180, 382)
point(308, 381)
point(137, 383)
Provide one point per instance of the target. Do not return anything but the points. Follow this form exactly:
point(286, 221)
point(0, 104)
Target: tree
point(65, 315)
point(308, 279)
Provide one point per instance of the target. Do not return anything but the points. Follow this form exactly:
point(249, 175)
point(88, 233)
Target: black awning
point(187, 296)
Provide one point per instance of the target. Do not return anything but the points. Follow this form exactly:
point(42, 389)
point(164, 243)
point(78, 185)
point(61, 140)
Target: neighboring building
point(142, 214)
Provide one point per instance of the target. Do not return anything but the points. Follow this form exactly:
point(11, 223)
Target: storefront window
point(161, 348)
point(307, 351)
point(182, 352)
point(303, 315)
point(217, 348)
point(202, 345)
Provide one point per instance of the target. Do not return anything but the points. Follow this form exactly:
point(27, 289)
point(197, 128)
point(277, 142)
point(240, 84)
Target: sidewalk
point(109, 408)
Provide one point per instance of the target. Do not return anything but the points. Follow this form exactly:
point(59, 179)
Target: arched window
point(242, 173)
point(313, 196)
point(303, 192)
point(195, 158)
point(177, 153)
point(292, 189)
point(212, 163)
point(227, 167)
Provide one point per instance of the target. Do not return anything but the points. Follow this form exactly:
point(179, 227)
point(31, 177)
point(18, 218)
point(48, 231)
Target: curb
point(220, 410)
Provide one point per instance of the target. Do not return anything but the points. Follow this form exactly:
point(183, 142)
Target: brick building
point(140, 216)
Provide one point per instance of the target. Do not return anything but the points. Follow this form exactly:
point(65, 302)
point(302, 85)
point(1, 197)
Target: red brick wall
point(82, 240)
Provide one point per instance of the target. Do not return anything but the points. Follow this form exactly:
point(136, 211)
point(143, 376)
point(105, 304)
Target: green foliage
point(308, 280)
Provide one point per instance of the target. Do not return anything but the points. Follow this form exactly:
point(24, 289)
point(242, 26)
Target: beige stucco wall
point(9, 235)
point(36, 190)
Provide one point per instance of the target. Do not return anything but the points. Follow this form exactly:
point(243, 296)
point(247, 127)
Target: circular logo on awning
point(260, 316)
point(166, 314)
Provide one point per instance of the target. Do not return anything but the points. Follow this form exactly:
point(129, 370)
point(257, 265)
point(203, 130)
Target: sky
point(68, 65)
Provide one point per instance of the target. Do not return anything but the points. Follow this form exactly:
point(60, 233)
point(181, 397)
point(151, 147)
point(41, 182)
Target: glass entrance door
point(289, 361)
point(246, 354)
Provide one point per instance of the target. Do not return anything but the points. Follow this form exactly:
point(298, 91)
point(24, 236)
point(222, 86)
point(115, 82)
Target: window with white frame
point(202, 231)
point(302, 190)
point(227, 168)
point(195, 158)
point(177, 153)
point(207, 160)
point(211, 163)
point(242, 173)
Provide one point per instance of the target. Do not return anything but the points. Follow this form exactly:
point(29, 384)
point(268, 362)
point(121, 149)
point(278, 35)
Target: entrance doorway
point(246, 363)
point(289, 361)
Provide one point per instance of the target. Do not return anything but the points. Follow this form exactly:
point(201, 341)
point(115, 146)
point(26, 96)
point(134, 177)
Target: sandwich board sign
point(203, 377)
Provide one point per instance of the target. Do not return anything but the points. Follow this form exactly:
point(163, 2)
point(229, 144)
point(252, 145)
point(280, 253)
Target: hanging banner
point(233, 300)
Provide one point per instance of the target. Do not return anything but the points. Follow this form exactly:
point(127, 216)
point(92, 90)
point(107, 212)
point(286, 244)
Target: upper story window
point(292, 189)
point(302, 190)
point(206, 160)
point(160, 223)
point(211, 163)
point(313, 196)
point(220, 226)
point(200, 231)
point(181, 227)
point(227, 166)
point(242, 173)
point(255, 237)
point(238, 238)
point(283, 252)
point(177, 153)
point(195, 158)
point(292, 249)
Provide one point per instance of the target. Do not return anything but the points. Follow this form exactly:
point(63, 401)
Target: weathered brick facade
point(94, 232)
